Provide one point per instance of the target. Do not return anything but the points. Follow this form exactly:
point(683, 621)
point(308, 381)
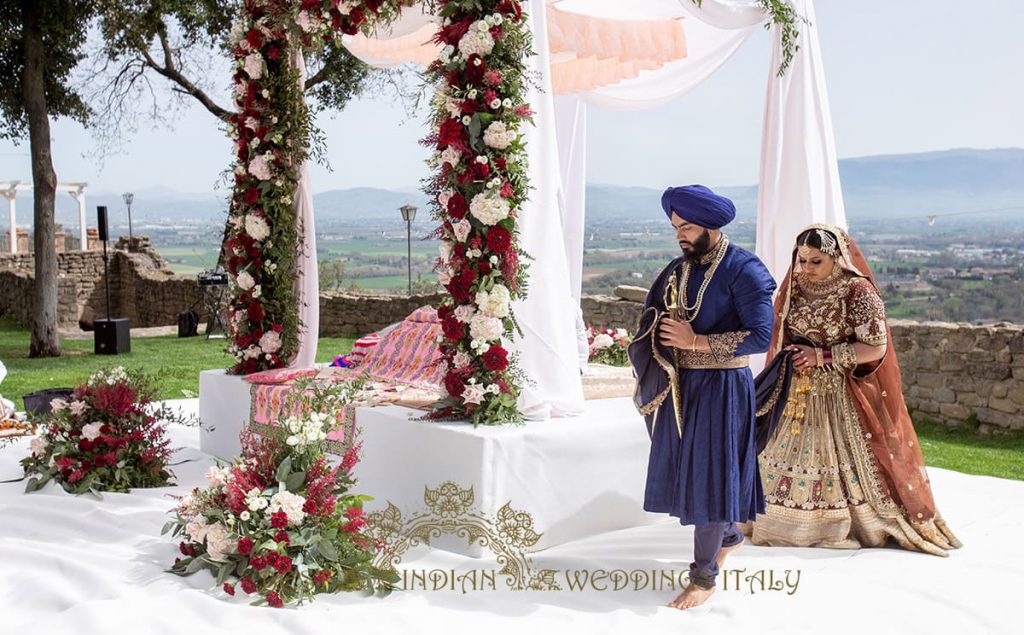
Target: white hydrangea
point(488, 208)
point(260, 166)
point(495, 302)
point(498, 136)
point(485, 327)
point(290, 504)
point(257, 227)
point(477, 41)
point(602, 341)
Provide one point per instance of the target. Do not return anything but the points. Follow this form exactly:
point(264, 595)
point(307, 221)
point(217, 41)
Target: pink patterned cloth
point(408, 356)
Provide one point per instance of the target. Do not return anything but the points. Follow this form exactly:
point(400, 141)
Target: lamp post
point(408, 215)
point(128, 198)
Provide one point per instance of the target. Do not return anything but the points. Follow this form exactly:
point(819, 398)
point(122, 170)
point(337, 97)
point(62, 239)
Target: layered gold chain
point(689, 313)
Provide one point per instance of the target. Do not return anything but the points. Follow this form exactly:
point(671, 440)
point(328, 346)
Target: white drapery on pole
point(548, 353)
point(307, 282)
point(799, 182)
point(571, 134)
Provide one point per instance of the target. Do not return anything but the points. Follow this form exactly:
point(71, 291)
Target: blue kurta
point(708, 472)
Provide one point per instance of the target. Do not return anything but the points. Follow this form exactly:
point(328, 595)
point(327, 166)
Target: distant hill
point(893, 186)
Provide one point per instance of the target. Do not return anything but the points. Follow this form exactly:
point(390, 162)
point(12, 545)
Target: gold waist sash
point(705, 361)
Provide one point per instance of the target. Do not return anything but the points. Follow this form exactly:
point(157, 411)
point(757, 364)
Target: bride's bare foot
point(725, 551)
point(691, 596)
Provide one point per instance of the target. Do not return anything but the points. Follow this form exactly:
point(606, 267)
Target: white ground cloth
point(77, 565)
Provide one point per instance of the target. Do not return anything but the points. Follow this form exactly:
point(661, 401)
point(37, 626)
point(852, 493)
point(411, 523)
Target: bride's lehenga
point(823, 484)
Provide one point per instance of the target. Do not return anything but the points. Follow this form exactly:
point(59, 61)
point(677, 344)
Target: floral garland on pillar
point(271, 130)
point(479, 186)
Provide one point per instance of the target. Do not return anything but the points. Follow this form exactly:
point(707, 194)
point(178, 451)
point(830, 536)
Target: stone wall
point(350, 315)
point(142, 289)
point(955, 372)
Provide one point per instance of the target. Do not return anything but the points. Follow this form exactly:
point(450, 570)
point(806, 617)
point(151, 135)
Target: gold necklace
point(690, 312)
point(821, 287)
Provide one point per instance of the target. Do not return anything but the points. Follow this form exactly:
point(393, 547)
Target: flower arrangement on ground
point(279, 523)
point(608, 346)
point(108, 437)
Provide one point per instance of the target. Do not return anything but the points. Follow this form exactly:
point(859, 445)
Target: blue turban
point(698, 205)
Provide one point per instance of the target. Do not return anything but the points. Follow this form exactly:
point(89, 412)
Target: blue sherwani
point(703, 465)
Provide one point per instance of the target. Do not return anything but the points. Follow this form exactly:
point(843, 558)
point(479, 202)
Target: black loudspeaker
point(112, 336)
point(188, 323)
point(101, 221)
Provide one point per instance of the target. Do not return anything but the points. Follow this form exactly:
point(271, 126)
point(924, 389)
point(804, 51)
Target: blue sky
point(905, 76)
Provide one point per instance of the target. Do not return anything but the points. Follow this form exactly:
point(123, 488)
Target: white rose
point(451, 155)
point(462, 360)
point(464, 313)
point(485, 327)
point(253, 65)
point(38, 446)
point(473, 393)
point(444, 197)
point(461, 229)
point(245, 281)
point(217, 477)
point(219, 543)
point(196, 529)
point(91, 431)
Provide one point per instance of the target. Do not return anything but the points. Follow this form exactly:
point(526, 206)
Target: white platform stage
point(83, 566)
point(576, 477)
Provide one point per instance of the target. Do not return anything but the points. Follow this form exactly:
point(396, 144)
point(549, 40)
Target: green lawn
point(174, 362)
point(964, 450)
point(177, 362)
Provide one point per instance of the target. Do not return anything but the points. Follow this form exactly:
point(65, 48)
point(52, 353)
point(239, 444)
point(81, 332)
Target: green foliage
point(65, 24)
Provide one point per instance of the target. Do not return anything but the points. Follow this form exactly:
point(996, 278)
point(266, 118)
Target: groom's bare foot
point(725, 551)
point(691, 596)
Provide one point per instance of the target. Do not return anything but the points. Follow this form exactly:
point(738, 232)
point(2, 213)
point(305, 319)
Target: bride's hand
point(803, 356)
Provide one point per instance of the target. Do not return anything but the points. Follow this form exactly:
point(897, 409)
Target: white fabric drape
point(307, 281)
point(799, 167)
point(548, 352)
point(571, 135)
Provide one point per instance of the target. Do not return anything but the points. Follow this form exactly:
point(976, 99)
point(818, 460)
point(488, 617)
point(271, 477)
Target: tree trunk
point(45, 341)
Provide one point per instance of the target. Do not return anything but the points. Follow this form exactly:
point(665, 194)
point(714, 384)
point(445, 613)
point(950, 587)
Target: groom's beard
point(696, 250)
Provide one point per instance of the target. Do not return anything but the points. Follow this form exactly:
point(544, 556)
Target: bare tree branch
point(170, 71)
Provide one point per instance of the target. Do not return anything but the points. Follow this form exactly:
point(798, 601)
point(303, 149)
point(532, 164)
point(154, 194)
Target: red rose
point(255, 312)
point(468, 107)
point(457, 206)
point(460, 286)
point(484, 267)
point(511, 8)
point(279, 520)
point(254, 38)
point(273, 599)
point(464, 178)
point(245, 545)
point(309, 506)
point(475, 69)
point(501, 163)
point(496, 358)
point(482, 171)
point(453, 384)
point(229, 588)
point(282, 536)
point(84, 445)
point(452, 328)
point(452, 33)
point(322, 576)
point(444, 311)
point(259, 563)
point(451, 133)
point(251, 195)
point(247, 585)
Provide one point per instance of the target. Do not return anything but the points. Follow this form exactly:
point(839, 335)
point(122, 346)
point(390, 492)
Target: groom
point(706, 313)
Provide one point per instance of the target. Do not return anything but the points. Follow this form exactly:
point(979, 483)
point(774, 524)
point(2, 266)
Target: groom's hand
point(677, 334)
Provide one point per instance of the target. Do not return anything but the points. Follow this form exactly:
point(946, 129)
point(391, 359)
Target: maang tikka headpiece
point(829, 245)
